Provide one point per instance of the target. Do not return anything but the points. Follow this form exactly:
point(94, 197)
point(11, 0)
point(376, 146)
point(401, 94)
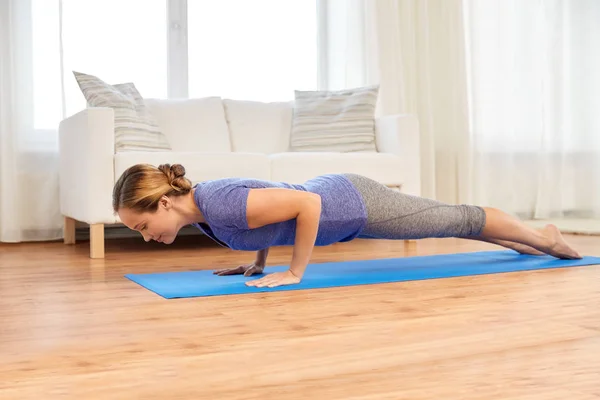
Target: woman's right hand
point(246, 270)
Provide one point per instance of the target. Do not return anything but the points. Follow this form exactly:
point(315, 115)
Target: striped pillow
point(338, 121)
point(135, 129)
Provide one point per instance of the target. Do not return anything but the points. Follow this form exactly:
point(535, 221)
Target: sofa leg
point(69, 230)
point(97, 241)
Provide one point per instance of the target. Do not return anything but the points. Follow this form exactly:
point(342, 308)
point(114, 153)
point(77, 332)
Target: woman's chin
point(167, 239)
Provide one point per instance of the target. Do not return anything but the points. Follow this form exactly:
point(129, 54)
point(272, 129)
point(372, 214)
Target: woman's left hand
point(275, 279)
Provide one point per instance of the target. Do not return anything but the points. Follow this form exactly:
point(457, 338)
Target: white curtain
point(415, 50)
point(29, 208)
point(505, 92)
point(534, 75)
point(42, 42)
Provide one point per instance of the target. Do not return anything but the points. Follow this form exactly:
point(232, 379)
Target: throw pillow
point(337, 121)
point(135, 129)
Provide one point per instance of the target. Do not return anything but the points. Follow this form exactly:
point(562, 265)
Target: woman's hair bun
point(176, 177)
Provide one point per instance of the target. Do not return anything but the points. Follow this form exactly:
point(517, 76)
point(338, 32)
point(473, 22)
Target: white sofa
point(215, 138)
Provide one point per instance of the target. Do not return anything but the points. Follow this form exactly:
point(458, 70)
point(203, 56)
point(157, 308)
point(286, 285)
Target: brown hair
point(141, 186)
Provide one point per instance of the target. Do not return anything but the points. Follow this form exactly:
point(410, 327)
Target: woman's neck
point(189, 210)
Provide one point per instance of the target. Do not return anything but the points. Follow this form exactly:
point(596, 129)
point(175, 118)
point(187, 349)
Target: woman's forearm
point(261, 257)
point(307, 227)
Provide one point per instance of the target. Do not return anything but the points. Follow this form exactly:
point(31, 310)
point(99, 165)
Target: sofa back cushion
point(192, 124)
point(335, 121)
point(135, 129)
point(257, 127)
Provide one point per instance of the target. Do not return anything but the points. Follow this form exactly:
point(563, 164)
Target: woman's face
point(161, 225)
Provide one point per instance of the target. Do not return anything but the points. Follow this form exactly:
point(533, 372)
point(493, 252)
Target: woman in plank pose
point(252, 214)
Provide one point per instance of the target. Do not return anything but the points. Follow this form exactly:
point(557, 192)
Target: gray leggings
point(396, 215)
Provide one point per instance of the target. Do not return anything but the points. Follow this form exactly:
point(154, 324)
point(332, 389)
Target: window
point(117, 40)
point(252, 50)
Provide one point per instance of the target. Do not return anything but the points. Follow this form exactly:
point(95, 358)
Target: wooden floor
point(75, 328)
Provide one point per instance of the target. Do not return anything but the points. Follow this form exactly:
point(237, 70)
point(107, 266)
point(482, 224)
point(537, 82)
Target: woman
point(251, 214)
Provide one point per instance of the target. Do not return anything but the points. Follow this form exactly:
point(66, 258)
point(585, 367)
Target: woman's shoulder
point(223, 201)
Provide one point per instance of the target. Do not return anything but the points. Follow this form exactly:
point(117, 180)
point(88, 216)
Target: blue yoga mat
point(350, 273)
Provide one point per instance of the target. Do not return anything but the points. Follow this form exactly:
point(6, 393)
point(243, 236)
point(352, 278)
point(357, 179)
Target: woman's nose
point(147, 237)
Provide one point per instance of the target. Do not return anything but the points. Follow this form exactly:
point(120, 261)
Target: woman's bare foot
point(523, 249)
point(558, 246)
point(518, 247)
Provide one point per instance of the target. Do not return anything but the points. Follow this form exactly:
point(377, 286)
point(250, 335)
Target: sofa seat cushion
point(298, 167)
point(200, 166)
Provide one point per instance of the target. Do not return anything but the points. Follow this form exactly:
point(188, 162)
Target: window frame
point(177, 49)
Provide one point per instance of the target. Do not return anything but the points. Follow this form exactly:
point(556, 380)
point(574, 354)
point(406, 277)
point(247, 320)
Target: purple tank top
point(223, 204)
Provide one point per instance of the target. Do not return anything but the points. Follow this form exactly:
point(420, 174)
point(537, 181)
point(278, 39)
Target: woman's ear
point(165, 202)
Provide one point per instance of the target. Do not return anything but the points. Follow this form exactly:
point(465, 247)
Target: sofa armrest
point(399, 134)
point(86, 166)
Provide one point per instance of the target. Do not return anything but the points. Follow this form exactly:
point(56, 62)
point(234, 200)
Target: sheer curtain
point(534, 77)
point(42, 42)
point(505, 92)
point(415, 50)
point(28, 159)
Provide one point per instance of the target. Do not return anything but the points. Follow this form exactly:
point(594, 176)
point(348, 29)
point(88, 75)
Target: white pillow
point(335, 121)
point(135, 129)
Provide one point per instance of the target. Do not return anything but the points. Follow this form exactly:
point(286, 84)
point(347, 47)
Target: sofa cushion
point(134, 127)
point(200, 166)
point(335, 121)
point(299, 167)
point(257, 127)
point(192, 124)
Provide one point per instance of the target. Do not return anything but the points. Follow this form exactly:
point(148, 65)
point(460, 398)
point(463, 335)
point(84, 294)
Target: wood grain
point(74, 328)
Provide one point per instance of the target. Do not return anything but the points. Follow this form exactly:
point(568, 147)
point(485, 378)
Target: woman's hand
point(275, 279)
point(246, 270)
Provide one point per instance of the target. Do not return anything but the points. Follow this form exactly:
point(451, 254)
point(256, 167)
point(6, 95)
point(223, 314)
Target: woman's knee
point(472, 221)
